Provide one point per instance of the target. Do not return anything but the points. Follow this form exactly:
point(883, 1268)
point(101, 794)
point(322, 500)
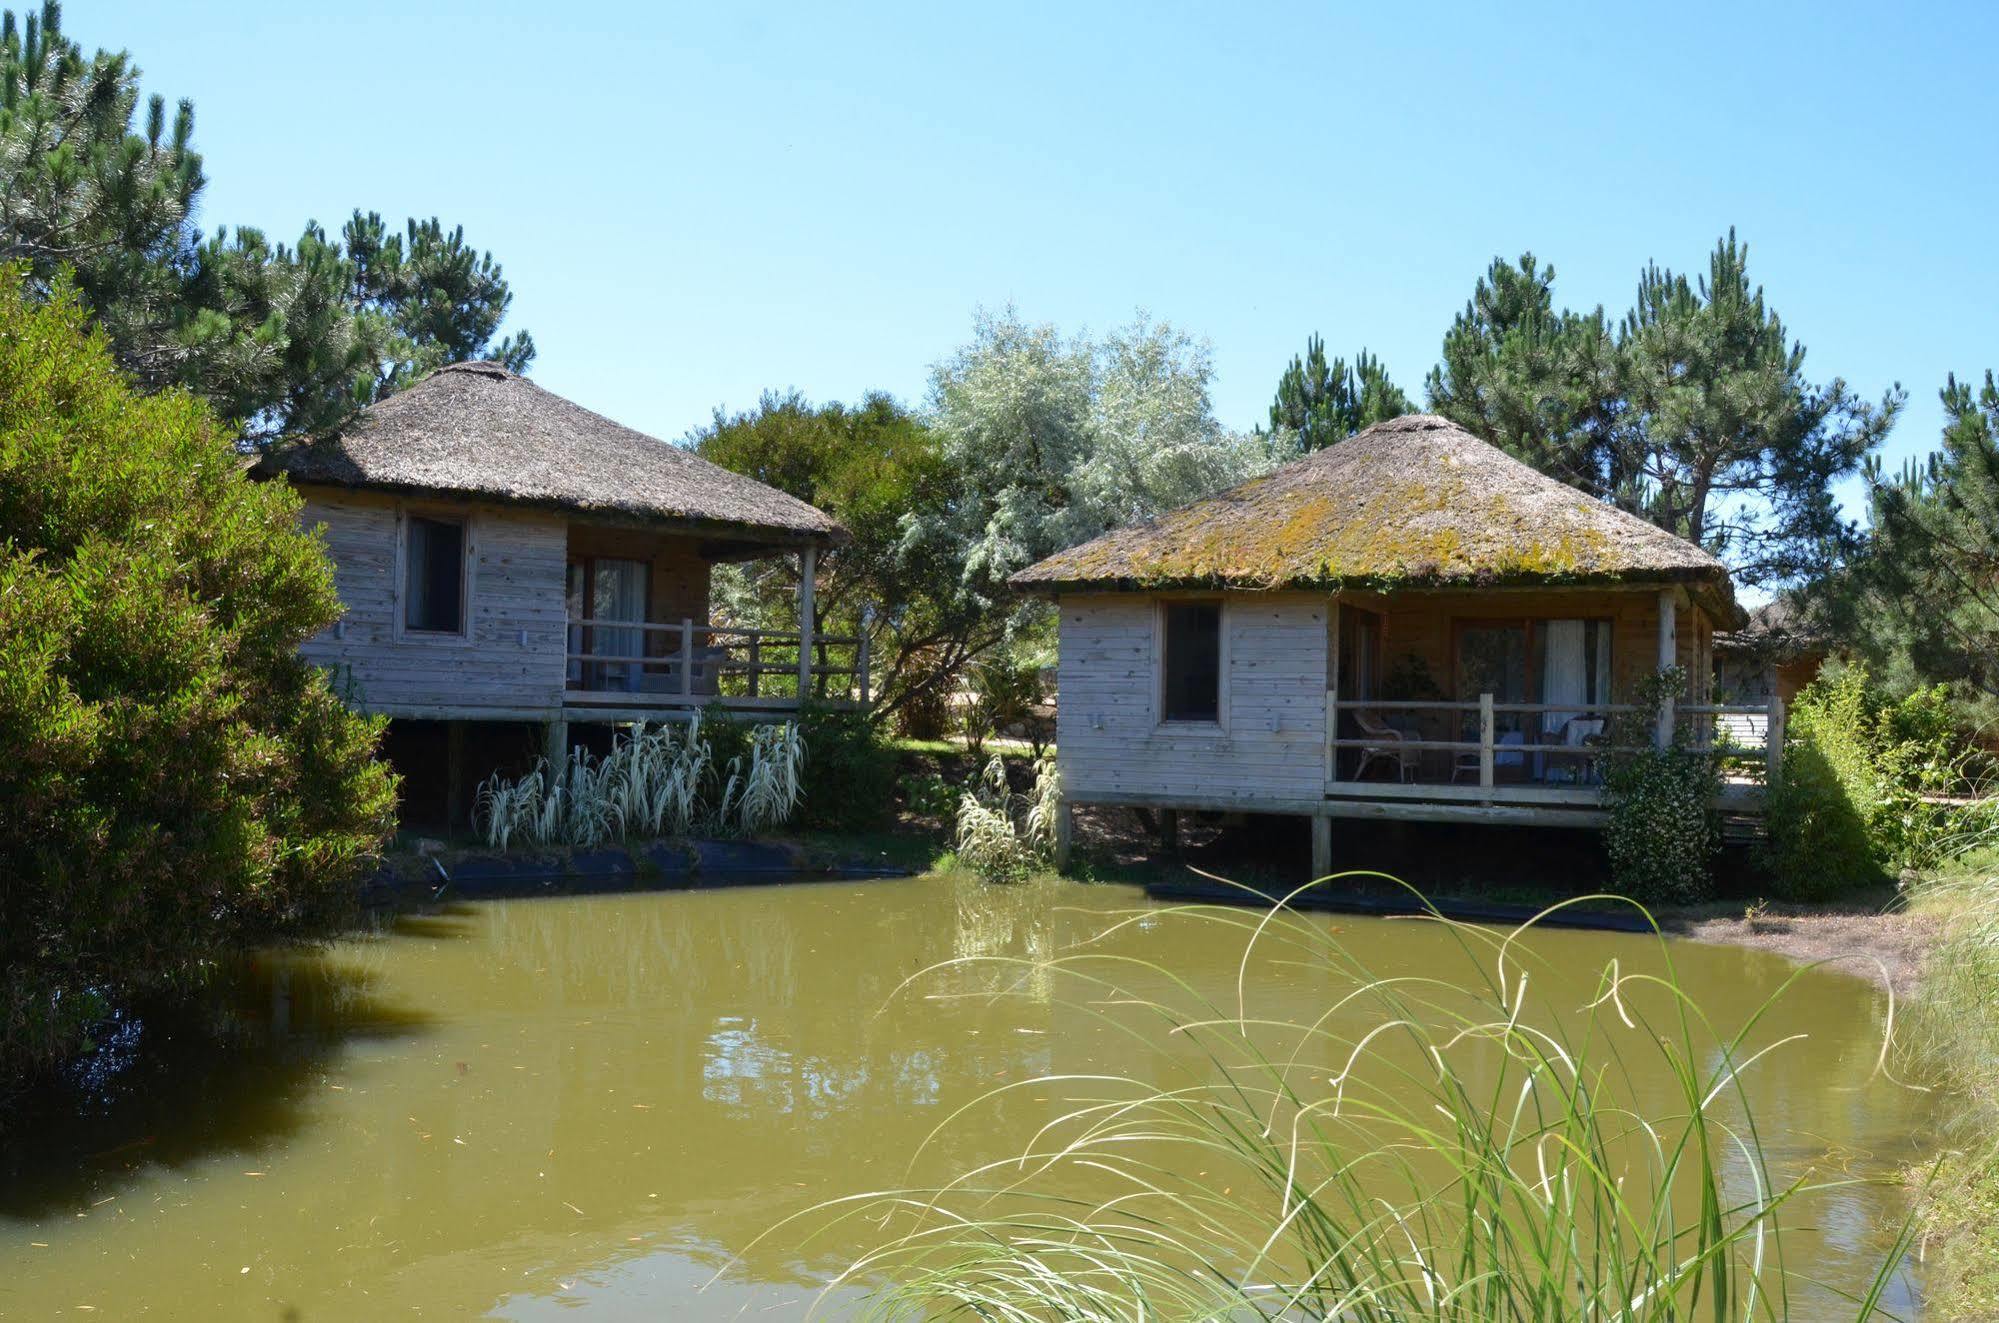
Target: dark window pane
point(1193, 661)
point(434, 581)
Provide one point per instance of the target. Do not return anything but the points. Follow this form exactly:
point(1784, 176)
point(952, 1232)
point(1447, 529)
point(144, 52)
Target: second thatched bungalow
point(1410, 624)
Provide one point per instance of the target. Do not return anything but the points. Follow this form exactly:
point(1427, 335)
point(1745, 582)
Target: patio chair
point(1387, 744)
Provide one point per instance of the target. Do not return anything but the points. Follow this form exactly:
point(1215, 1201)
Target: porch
point(1517, 704)
point(628, 658)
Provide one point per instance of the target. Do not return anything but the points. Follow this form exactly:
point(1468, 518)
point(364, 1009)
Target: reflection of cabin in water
point(1410, 624)
point(510, 559)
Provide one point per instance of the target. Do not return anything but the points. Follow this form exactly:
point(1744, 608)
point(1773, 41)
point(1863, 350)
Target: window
point(1191, 668)
point(434, 576)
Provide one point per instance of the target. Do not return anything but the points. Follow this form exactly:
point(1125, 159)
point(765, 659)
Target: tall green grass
point(1956, 1040)
point(1484, 1140)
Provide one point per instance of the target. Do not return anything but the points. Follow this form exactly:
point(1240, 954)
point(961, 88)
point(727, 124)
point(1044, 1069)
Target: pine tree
point(1928, 605)
point(1544, 386)
point(1321, 403)
point(278, 338)
point(1692, 412)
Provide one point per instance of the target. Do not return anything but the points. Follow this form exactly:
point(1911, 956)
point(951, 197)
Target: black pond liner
point(1328, 900)
point(675, 866)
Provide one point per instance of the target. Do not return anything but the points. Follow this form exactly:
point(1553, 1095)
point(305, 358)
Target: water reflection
point(522, 1105)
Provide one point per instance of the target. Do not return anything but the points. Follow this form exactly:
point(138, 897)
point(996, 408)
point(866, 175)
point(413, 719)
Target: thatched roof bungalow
point(1408, 623)
point(507, 555)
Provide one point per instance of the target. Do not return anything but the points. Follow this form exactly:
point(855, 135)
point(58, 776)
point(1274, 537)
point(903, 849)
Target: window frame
point(468, 557)
point(1183, 725)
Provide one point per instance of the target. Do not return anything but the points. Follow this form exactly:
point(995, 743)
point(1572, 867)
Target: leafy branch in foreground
point(1445, 1145)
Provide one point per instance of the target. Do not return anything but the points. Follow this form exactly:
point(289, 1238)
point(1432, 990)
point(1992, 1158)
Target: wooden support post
point(808, 569)
point(1169, 831)
point(756, 664)
point(861, 658)
point(454, 773)
point(1669, 657)
point(1773, 742)
point(686, 658)
point(1065, 833)
point(555, 746)
point(1322, 846)
point(1332, 688)
point(1485, 741)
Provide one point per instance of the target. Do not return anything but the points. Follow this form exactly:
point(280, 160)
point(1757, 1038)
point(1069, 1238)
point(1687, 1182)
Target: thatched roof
point(1415, 502)
point(477, 430)
point(1779, 630)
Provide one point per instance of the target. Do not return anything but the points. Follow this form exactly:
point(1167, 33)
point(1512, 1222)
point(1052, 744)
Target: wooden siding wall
point(514, 657)
point(1272, 751)
point(679, 571)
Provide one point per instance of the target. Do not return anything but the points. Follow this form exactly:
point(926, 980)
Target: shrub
point(1002, 836)
point(1825, 814)
point(1662, 835)
point(849, 782)
point(179, 783)
point(928, 794)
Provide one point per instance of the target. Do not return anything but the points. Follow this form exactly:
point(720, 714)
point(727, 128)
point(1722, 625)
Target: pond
point(508, 1108)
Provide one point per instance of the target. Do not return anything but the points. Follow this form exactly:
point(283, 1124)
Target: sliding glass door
point(604, 594)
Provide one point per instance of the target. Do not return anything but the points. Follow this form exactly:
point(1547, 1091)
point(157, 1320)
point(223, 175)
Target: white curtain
point(1565, 673)
point(620, 595)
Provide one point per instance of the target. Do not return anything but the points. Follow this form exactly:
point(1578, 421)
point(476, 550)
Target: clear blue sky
point(695, 203)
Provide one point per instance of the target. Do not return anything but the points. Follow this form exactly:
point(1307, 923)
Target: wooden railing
point(688, 664)
point(1561, 769)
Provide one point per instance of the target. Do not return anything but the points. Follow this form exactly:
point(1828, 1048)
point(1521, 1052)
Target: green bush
point(1825, 813)
point(178, 782)
point(849, 771)
point(1662, 835)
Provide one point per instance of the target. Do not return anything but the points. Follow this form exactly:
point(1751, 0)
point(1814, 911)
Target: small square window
point(1191, 671)
point(434, 577)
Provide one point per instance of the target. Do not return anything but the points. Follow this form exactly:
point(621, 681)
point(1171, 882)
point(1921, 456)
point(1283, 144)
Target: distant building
point(1409, 624)
point(507, 557)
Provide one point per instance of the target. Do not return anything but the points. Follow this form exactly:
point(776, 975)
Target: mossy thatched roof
point(1415, 502)
point(476, 430)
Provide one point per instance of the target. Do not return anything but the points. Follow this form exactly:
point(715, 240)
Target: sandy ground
point(1864, 941)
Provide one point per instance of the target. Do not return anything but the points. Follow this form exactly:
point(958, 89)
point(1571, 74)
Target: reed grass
point(655, 782)
point(1459, 1144)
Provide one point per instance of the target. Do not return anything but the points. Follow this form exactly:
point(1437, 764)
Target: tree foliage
point(870, 466)
point(179, 781)
point(277, 338)
point(1693, 411)
point(1923, 599)
point(1320, 402)
point(1052, 441)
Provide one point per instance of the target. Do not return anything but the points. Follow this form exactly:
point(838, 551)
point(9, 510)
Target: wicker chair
point(1385, 743)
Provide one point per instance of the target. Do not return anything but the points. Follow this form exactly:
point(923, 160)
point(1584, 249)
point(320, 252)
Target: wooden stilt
point(1065, 832)
point(455, 814)
point(1322, 846)
point(1169, 831)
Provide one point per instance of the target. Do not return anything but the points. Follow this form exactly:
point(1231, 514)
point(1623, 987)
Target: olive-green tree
point(178, 783)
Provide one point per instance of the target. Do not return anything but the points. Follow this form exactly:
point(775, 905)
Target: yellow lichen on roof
point(1415, 500)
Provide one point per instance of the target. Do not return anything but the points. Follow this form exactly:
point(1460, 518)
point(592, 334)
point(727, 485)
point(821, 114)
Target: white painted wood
point(1669, 656)
point(1485, 742)
point(511, 654)
point(1111, 746)
point(808, 569)
point(1773, 746)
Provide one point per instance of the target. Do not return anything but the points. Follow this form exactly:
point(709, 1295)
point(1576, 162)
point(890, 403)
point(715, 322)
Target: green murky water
point(513, 1108)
